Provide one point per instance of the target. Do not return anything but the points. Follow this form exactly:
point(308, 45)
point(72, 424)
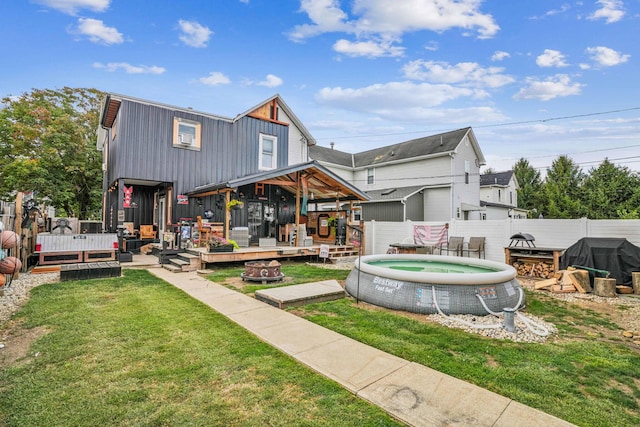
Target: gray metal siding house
point(164, 164)
point(142, 151)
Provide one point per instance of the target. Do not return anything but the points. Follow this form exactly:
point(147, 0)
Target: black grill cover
point(617, 256)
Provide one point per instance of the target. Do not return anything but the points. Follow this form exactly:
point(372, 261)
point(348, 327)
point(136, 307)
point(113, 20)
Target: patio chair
point(476, 245)
point(455, 245)
point(147, 232)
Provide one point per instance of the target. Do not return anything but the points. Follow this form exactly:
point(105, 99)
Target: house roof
point(498, 178)
point(394, 194)
point(325, 185)
point(435, 145)
point(113, 100)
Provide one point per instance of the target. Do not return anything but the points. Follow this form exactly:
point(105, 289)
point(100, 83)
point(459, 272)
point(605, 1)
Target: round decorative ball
point(3, 280)
point(9, 239)
point(10, 265)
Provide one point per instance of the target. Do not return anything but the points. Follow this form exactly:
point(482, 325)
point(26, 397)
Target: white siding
point(437, 204)
point(433, 171)
point(298, 151)
point(463, 192)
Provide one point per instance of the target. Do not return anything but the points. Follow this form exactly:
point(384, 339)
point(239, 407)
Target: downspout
point(404, 209)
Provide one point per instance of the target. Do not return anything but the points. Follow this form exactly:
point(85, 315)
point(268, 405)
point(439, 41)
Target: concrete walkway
point(410, 392)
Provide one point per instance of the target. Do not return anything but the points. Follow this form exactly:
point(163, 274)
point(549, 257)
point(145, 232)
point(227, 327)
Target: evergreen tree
point(611, 192)
point(562, 190)
point(530, 185)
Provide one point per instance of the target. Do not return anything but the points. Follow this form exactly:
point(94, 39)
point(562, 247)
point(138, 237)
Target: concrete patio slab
point(307, 293)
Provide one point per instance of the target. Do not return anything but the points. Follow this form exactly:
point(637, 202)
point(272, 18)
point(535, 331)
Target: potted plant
point(220, 244)
point(234, 204)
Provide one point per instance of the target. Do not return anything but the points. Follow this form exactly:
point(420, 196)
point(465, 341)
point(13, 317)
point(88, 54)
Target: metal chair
point(476, 245)
point(455, 245)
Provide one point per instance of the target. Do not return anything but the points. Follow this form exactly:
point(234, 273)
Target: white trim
point(274, 153)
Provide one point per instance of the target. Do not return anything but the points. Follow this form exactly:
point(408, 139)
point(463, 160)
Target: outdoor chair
point(147, 232)
point(476, 245)
point(455, 245)
point(204, 231)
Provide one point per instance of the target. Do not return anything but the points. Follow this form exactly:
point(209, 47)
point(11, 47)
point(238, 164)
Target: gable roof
point(256, 111)
point(498, 178)
point(111, 106)
point(325, 185)
point(428, 146)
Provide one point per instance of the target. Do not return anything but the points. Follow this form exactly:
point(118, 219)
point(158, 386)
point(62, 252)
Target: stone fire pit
point(262, 271)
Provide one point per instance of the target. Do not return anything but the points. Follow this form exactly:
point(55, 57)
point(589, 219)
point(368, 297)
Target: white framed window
point(186, 133)
point(371, 176)
point(268, 158)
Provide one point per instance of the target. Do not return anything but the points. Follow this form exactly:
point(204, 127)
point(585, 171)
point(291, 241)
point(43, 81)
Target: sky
point(535, 79)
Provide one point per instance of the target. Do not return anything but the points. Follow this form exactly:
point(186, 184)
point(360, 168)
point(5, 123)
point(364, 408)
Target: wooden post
point(605, 287)
point(635, 277)
point(227, 214)
point(297, 213)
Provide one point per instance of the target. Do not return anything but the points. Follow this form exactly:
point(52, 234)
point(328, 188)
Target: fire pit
point(262, 271)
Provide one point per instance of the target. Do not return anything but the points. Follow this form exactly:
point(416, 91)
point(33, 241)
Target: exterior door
point(254, 221)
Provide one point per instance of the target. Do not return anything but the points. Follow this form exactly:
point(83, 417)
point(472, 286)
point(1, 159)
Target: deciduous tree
point(48, 145)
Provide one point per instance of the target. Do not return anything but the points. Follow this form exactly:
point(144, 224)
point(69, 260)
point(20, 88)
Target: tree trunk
point(605, 287)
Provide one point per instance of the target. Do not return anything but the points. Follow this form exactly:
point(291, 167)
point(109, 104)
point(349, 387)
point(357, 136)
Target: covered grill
point(522, 238)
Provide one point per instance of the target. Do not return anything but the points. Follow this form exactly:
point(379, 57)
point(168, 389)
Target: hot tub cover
point(617, 256)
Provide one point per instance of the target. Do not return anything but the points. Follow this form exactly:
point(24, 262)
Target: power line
point(550, 119)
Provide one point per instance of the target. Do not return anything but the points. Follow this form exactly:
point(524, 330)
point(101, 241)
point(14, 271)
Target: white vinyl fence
point(548, 233)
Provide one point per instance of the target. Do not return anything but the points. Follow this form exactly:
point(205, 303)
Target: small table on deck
point(412, 248)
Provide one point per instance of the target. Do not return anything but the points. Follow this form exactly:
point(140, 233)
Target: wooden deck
point(253, 253)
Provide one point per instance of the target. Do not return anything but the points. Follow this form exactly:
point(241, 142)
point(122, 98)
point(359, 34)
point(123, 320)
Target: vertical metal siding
point(143, 148)
point(382, 211)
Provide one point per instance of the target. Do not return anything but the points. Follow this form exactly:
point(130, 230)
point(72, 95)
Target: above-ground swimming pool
point(430, 284)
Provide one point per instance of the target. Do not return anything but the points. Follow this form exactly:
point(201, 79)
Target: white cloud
point(463, 73)
point(551, 58)
point(392, 95)
point(130, 69)
point(375, 18)
point(271, 81)
point(369, 49)
point(98, 32)
point(565, 7)
point(607, 57)
point(611, 11)
point(194, 34)
point(559, 85)
point(71, 7)
point(499, 55)
point(326, 16)
point(214, 79)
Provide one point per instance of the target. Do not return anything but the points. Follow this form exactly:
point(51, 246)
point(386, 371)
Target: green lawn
point(137, 351)
point(585, 375)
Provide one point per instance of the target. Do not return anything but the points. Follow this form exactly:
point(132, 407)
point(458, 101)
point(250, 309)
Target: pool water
point(431, 266)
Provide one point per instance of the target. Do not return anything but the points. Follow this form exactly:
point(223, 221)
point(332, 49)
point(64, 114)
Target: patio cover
point(617, 256)
point(325, 185)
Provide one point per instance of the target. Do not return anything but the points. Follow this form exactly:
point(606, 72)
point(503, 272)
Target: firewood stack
point(567, 281)
point(537, 269)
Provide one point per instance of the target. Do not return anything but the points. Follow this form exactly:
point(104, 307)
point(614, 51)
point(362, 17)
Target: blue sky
point(534, 78)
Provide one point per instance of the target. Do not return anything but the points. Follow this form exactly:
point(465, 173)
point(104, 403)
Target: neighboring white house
point(434, 178)
point(499, 195)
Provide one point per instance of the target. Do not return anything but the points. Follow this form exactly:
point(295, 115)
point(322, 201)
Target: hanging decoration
point(128, 195)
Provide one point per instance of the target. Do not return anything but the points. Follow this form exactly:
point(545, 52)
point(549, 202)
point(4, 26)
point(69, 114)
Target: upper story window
point(370, 176)
point(268, 152)
point(186, 133)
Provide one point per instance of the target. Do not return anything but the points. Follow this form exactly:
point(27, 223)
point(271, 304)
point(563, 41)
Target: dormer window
point(268, 152)
point(186, 133)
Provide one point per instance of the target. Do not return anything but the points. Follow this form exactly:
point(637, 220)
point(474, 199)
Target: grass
point(581, 376)
point(136, 351)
